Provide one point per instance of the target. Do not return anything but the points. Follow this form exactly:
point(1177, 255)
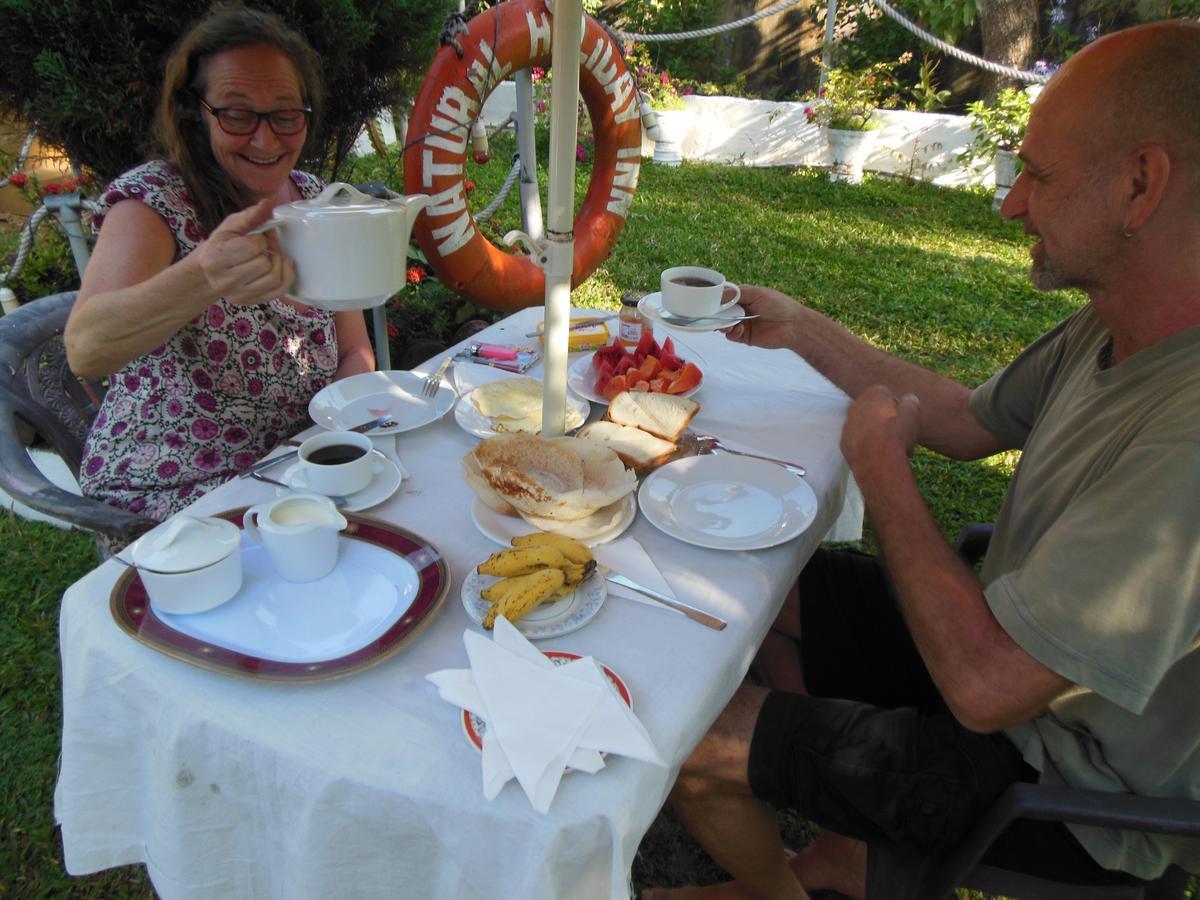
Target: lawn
point(929, 273)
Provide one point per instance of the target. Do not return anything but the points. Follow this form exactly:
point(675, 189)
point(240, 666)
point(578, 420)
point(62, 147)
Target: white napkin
point(541, 718)
point(629, 558)
point(389, 446)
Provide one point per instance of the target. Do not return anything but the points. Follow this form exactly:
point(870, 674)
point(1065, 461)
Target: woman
point(181, 301)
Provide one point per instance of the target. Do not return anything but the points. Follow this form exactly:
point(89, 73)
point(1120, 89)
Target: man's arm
point(947, 424)
point(985, 677)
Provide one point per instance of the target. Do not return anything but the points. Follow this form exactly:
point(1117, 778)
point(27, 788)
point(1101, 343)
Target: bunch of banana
point(540, 568)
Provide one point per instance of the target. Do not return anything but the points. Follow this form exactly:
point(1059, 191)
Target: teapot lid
point(188, 543)
point(338, 199)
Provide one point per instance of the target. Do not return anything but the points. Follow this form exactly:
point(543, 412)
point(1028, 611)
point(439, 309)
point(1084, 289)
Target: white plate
point(383, 484)
point(270, 618)
point(548, 620)
point(581, 377)
point(365, 396)
point(727, 502)
point(472, 421)
point(502, 529)
point(651, 307)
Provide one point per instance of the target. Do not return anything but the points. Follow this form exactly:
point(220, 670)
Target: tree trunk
point(1009, 29)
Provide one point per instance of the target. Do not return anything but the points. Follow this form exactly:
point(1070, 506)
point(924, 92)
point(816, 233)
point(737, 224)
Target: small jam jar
point(631, 325)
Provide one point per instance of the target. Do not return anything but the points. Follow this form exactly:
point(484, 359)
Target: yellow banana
point(573, 550)
point(574, 576)
point(514, 597)
point(521, 561)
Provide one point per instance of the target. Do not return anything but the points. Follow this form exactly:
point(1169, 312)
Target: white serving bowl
point(191, 565)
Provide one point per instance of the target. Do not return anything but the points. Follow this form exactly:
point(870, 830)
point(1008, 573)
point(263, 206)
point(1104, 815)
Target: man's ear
point(1143, 182)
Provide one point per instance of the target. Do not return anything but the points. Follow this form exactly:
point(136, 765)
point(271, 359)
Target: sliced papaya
point(649, 367)
point(615, 386)
point(641, 385)
point(689, 376)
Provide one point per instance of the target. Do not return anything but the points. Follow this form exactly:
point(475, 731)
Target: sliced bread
point(638, 449)
point(663, 415)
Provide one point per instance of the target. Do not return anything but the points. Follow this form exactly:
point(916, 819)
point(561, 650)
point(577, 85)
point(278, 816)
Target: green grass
point(931, 274)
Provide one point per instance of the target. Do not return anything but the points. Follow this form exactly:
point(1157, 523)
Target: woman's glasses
point(237, 121)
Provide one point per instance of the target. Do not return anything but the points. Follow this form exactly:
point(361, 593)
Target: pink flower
point(580, 153)
point(393, 331)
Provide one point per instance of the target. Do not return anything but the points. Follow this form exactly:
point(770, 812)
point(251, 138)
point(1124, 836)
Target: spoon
point(675, 318)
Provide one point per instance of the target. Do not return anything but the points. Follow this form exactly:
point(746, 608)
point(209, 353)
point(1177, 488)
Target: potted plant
point(846, 109)
point(999, 129)
point(661, 92)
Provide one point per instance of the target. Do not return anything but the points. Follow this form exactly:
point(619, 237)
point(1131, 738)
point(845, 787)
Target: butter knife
point(690, 611)
point(291, 454)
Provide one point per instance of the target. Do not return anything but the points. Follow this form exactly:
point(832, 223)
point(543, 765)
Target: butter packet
point(589, 337)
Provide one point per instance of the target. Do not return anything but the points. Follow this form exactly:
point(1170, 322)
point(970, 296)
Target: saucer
point(383, 485)
point(651, 307)
point(502, 529)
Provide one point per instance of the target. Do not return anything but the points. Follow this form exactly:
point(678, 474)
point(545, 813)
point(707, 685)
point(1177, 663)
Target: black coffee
point(335, 454)
point(692, 281)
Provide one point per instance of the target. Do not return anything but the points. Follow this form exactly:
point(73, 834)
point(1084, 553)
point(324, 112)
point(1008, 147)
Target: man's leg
point(778, 660)
point(712, 796)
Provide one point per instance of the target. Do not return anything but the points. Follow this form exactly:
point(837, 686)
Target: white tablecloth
point(366, 786)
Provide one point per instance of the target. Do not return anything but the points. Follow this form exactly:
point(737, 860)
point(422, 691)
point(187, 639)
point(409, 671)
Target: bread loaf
point(663, 415)
point(640, 450)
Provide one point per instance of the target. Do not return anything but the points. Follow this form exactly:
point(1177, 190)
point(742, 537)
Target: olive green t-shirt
point(1094, 568)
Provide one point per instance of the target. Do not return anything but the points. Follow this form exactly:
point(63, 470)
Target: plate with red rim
point(474, 727)
point(387, 587)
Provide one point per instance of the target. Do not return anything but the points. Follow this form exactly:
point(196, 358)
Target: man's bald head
point(1136, 86)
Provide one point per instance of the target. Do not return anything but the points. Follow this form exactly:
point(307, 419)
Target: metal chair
point(41, 398)
point(898, 873)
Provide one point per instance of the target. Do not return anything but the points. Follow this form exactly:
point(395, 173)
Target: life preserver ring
point(511, 36)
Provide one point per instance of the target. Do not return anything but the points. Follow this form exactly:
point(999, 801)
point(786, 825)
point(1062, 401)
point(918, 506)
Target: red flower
point(469, 185)
point(393, 331)
point(415, 274)
point(52, 189)
point(18, 179)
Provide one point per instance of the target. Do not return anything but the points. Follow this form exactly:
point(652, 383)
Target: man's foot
point(833, 862)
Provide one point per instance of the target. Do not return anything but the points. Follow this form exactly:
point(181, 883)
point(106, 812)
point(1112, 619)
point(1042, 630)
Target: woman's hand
point(779, 322)
point(246, 269)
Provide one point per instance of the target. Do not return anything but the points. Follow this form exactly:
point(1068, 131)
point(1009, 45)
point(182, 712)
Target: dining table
point(365, 785)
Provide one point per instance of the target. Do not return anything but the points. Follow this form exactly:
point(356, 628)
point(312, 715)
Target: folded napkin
point(389, 446)
point(627, 557)
point(541, 718)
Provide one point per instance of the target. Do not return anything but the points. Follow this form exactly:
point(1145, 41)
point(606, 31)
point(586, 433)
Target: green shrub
point(87, 72)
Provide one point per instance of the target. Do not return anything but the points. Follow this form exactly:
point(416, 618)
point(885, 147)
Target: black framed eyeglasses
point(237, 121)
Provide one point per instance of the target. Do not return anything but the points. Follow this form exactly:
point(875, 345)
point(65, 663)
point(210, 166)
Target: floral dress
point(218, 395)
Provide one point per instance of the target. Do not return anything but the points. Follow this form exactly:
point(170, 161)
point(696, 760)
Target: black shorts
point(873, 752)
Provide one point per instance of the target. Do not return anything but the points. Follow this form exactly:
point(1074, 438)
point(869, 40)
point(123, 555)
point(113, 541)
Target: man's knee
point(724, 752)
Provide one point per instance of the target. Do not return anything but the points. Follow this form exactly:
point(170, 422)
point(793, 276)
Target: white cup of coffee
point(695, 292)
point(299, 532)
point(336, 463)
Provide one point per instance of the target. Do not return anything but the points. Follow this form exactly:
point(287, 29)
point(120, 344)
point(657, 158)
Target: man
point(1074, 657)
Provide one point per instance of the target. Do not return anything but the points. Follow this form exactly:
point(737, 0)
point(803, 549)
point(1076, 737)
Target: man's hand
point(246, 269)
point(780, 319)
point(877, 425)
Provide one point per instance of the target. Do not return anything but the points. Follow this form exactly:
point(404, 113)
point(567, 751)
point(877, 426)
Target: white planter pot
point(1005, 165)
point(673, 128)
point(849, 150)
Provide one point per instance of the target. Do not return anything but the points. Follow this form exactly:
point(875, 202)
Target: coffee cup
point(299, 532)
point(336, 463)
point(696, 292)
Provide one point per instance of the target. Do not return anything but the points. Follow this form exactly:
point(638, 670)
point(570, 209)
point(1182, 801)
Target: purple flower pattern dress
point(218, 395)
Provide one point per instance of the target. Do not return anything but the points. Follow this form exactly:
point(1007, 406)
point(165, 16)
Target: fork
point(710, 442)
point(338, 500)
point(429, 387)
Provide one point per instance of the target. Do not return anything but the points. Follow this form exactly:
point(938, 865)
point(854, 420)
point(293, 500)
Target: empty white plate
point(727, 502)
point(368, 395)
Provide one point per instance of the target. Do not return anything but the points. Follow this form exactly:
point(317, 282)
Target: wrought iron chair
point(41, 398)
point(897, 873)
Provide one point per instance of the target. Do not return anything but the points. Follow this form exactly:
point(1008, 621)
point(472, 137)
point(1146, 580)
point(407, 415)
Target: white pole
point(531, 200)
point(830, 22)
point(566, 36)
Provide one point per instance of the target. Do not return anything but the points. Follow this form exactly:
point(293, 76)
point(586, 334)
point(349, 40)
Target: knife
point(291, 454)
point(690, 611)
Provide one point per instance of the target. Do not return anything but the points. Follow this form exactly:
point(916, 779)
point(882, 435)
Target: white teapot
point(350, 249)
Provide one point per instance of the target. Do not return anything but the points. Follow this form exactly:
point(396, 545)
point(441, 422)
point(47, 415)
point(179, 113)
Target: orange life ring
point(511, 36)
